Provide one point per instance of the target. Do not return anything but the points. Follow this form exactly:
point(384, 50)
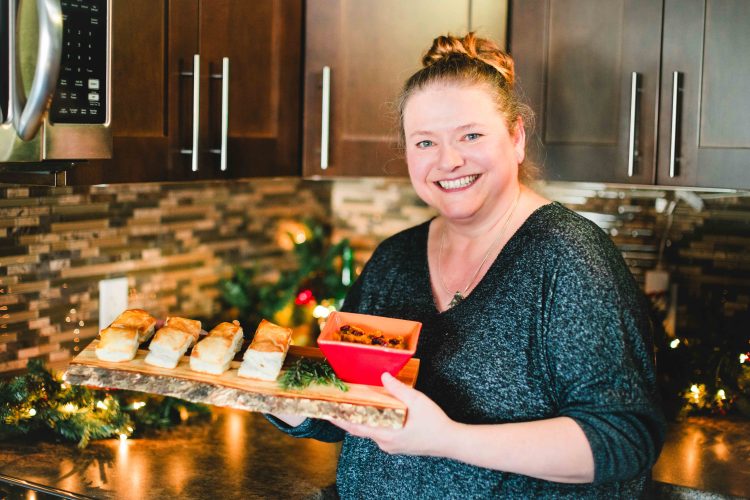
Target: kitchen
point(174, 232)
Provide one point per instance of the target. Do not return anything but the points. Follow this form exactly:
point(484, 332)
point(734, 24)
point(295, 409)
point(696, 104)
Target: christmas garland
point(39, 403)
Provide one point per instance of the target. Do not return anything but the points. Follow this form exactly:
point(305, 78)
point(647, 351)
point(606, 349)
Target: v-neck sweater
point(557, 326)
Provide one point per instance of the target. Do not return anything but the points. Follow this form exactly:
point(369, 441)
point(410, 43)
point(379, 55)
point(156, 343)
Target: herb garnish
point(304, 372)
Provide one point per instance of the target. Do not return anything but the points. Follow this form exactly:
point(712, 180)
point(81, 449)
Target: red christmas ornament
point(304, 297)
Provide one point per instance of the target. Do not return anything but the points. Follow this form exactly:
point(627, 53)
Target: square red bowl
point(363, 363)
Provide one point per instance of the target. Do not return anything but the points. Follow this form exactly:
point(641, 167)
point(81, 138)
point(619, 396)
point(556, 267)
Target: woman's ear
point(519, 140)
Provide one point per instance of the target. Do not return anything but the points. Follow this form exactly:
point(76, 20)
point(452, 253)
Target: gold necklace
point(459, 295)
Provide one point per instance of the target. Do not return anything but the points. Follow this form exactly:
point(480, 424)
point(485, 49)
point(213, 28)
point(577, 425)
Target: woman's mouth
point(455, 184)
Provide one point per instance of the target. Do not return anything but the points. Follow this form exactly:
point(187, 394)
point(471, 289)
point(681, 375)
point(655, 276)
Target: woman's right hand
point(290, 420)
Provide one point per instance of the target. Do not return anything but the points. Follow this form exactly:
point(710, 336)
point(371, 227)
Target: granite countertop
point(237, 455)
point(709, 456)
point(240, 455)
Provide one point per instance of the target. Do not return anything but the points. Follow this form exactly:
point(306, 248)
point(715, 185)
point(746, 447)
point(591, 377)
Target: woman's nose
point(450, 158)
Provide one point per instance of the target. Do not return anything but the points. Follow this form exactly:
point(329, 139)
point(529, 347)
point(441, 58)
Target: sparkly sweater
point(556, 327)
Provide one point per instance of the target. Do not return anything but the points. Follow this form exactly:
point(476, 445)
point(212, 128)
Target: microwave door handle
point(46, 73)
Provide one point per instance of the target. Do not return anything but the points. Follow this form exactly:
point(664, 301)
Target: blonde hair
point(471, 60)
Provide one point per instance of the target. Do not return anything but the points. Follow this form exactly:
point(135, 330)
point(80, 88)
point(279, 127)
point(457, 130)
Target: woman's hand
point(424, 433)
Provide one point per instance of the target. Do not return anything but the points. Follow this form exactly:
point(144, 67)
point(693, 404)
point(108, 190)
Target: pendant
point(457, 297)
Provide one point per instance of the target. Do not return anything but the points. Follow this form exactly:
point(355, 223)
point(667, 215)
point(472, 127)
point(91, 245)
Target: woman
point(536, 377)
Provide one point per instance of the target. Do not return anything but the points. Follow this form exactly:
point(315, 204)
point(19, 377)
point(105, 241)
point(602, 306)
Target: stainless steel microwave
point(55, 87)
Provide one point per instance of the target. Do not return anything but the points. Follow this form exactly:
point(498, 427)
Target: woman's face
point(462, 159)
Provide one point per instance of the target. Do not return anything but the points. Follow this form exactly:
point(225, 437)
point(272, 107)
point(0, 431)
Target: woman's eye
point(473, 136)
point(424, 144)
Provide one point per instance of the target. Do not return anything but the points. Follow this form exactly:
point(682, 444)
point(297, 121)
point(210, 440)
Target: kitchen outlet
point(113, 299)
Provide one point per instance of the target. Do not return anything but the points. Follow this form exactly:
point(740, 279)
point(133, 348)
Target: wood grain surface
point(361, 403)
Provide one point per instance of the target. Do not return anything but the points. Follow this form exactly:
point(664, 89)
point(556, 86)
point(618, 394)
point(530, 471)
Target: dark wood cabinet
point(590, 70)
point(154, 104)
point(369, 48)
point(600, 78)
point(706, 59)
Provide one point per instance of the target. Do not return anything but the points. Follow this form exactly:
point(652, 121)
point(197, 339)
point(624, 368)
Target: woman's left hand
point(425, 424)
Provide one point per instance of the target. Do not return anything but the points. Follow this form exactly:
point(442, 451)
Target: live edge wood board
point(361, 404)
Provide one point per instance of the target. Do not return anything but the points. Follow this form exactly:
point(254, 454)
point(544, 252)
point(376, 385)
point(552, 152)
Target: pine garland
point(40, 403)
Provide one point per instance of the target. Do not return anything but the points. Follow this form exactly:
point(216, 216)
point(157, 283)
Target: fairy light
point(137, 405)
point(70, 408)
point(674, 343)
point(696, 392)
point(32, 412)
point(123, 436)
point(101, 405)
point(743, 357)
point(720, 394)
point(321, 312)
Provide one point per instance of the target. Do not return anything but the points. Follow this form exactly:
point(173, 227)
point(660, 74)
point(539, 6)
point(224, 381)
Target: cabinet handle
point(634, 106)
point(224, 76)
point(30, 114)
point(325, 120)
point(196, 73)
point(673, 159)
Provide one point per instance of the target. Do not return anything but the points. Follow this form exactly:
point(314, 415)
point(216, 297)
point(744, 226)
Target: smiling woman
point(536, 371)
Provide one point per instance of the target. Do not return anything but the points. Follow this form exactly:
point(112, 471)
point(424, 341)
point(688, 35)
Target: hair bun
point(448, 47)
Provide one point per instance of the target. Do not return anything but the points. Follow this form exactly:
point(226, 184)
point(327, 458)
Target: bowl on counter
point(364, 363)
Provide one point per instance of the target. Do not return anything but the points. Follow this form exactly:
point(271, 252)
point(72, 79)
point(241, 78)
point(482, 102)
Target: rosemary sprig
point(304, 372)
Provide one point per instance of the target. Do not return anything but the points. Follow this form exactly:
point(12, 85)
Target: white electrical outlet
point(113, 299)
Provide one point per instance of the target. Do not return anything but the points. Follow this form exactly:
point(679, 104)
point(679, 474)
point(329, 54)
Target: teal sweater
point(557, 327)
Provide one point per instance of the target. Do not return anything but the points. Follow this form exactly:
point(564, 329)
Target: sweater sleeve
point(600, 358)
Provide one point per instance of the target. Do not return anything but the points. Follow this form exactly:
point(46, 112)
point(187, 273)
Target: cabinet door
point(371, 48)
point(138, 96)
point(262, 41)
point(704, 132)
point(590, 70)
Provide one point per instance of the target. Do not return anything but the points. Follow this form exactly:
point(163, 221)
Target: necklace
point(460, 295)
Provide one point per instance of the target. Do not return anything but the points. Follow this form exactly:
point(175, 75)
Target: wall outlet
point(113, 300)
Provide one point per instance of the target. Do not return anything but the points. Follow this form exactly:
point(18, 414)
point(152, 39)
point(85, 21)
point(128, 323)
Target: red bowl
point(364, 363)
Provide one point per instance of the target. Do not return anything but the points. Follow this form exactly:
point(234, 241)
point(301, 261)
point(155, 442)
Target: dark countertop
point(707, 454)
point(237, 455)
point(240, 455)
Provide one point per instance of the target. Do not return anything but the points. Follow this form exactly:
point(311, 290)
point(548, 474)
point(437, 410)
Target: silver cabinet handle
point(676, 77)
point(224, 112)
point(632, 152)
point(326, 115)
point(28, 121)
point(196, 73)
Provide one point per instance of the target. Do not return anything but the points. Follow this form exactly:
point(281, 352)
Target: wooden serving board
point(363, 404)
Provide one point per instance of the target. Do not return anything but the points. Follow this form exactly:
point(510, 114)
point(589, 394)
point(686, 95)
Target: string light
point(674, 343)
point(32, 412)
point(696, 392)
point(101, 405)
point(720, 394)
point(137, 405)
point(123, 436)
point(70, 408)
point(743, 357)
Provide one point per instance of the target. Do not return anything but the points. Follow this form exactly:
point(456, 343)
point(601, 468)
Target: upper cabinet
point(704, 119)
point(358, 55)
point(637, 91)
point(203, 89)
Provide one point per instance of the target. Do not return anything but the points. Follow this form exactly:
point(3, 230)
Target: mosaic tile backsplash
point(174, 242)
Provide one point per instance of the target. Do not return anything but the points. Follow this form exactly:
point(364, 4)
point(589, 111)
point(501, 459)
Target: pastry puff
point(168, 346)
point(139, 320)
point(265, 355)
point(117, 344)
point(191, 326)
point(214, 353)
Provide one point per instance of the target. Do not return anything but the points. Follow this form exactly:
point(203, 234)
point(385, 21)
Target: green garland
point(324, 269)
point(40, 403)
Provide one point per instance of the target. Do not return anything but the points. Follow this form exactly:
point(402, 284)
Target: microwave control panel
point(81, 94)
